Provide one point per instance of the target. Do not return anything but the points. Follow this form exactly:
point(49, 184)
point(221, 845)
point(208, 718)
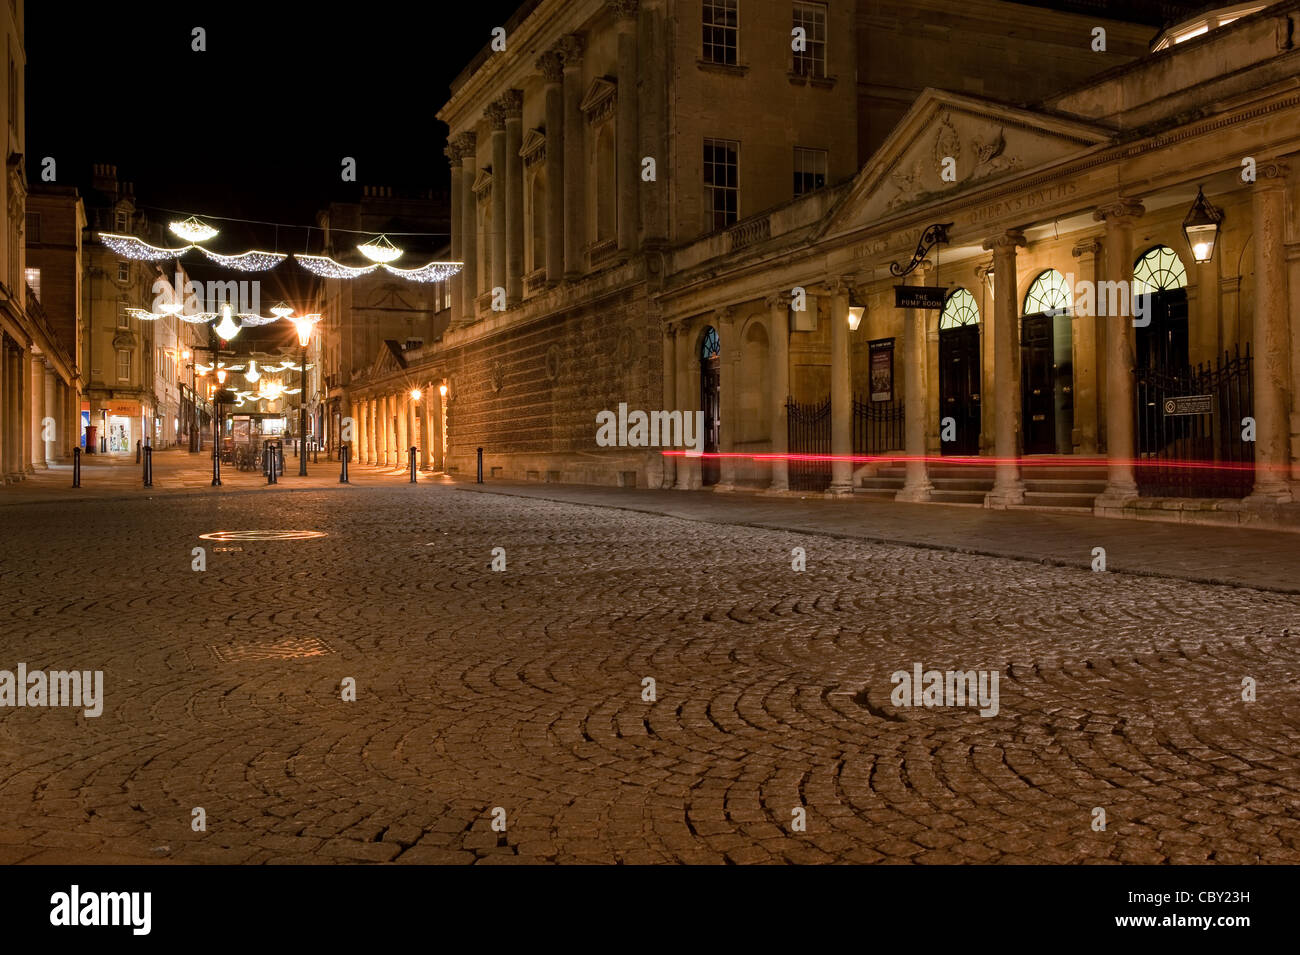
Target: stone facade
point(1076, 170)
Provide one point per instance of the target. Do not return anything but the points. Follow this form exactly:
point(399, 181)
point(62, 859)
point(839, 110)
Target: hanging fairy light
point(282, 310)
point(129, 247)
point(326, 267)
point(250, 261)
point(226, 328)
point(252, 374)
point(193, 229)
point(380, 250)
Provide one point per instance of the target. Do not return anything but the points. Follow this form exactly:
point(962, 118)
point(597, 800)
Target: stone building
point(698, 245)
point(55, 222)
point(38, 374)
point(371, 318)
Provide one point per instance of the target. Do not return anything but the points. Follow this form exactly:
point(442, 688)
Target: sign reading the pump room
point(919, 296)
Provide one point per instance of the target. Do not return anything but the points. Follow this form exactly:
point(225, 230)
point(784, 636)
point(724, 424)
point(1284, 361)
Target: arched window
point(1048, 293)
point(709, 345)
point(1158, 270)
point(960, 309)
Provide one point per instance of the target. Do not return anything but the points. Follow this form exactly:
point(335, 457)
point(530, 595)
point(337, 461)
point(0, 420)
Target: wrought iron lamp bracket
point(932, 236)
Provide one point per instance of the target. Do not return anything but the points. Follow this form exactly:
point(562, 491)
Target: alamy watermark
point(656, 429)
point(84, 688)
point(197, 298)
point(924, 687)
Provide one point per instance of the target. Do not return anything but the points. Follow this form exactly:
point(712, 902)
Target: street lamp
point(303, 325)
point(1201, 227)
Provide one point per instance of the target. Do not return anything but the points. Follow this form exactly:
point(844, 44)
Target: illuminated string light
point(380, 250)
point(193, 230)
point(250, 261)
point(252, 374)
point(326, 267)
point(226, 328)
point(433, 272)
point(129, 247)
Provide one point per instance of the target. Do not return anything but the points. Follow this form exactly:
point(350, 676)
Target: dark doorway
point(1038, 384)
point(711, 404)
point(1162, 346)
point(959, 387)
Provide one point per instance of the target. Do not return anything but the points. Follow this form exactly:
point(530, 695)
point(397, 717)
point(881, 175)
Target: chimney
point(104, 178)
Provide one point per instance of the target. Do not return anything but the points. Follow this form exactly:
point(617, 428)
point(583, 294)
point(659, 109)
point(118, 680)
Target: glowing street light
point(1201, 227)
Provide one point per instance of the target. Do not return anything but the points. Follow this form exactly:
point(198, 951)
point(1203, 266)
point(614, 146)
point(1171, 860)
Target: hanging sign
point(919, 296)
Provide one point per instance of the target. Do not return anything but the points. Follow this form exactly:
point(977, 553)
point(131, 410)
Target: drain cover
point(262, 535)
point(293, 648)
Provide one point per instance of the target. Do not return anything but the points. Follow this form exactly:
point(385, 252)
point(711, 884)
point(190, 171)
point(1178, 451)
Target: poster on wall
point(881, 366)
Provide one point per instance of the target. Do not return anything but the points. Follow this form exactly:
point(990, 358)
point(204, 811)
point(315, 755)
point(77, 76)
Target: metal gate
point(1200, 454)
point(877, 428)
point(808, 430)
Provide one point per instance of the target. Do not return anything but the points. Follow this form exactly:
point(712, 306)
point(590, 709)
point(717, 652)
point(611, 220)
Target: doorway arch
point(1047, 366)
point(959, 372)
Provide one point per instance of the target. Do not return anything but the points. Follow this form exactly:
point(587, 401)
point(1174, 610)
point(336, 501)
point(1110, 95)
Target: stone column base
point(839, 490)
point(916, 494)
point(1004, 496)
point(1265, 495)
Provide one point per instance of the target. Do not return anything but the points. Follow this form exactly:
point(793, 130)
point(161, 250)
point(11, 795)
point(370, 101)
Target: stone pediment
point(599, 101)
point(534, 146)
point(389, 361)
point(483, 182)
point(390, 296)
point(985, 141)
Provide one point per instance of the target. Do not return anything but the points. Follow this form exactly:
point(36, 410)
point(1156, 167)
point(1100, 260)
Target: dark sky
point(256, 126)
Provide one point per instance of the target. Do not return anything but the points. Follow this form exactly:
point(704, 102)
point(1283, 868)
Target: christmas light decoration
point(380, 250)
point(283, 310)
point(326, 267)
point(143, 315)
point(226, 328)
point(250, 261)
point(129, 247)
point(252, 374)
point(193, 230)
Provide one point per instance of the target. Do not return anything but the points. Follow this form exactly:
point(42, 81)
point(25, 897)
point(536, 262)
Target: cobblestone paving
point(523, 690)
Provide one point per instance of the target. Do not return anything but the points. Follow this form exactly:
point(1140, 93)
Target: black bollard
point(76, 467)
point(345, 452)
point(137, 452)
point(411, 454)
point(480, 466)
point(148, 466)
point(279, 455)
point(315, 452)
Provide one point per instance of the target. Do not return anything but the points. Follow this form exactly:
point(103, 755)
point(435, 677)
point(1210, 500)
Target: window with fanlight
point(1158, 270)
point(959, 310)
point(1049, 293)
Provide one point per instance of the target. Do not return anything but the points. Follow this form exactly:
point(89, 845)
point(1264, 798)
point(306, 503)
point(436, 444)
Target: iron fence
point(877, 428)
point(1201, 454)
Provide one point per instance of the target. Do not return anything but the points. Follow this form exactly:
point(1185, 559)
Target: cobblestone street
point(523, 690)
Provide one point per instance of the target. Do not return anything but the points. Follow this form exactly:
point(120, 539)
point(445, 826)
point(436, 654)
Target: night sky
point(257, 126)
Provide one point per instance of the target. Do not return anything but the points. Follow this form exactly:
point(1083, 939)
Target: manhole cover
point(293, 648)
point(262, 535)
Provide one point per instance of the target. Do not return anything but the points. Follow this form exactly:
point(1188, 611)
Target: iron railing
point(1196, 455)
point(877, 428)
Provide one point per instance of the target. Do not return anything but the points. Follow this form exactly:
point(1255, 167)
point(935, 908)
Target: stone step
point(1056, 486)
point(1048, 499)
point(942, 496)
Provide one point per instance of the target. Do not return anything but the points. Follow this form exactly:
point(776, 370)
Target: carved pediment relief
point(483, 182)
point(948, 143)
point(534, 147)
point(600, 98)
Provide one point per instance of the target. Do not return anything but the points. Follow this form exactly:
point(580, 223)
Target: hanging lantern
point(380, 250)
point(226, 328)
point(1201, 227)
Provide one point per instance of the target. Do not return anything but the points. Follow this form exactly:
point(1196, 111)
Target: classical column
point(496, 117)
point(5, 446)
point(439, 462)
point(724, 320)
point(393, 457)
point(689, 477)
point(551, 65)
point(916, 396)
point(1271, 338)
point(778, 310)
point(841, 389)
point(575, 220)
point(453, 153)
point(1008, 489)
point(402, 400)
point(467, 143)
point(512, 101)
point(1087, 352)
point(381, 432)
point(23, 378)
point(42, 408)
point(427, 395)
point(361, 431)
point(670, 397)
point(625, 17)
point(1121, 485)
point(372, 431)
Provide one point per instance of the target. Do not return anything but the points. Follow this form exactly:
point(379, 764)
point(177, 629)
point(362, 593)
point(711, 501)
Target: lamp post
point(303, 325)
